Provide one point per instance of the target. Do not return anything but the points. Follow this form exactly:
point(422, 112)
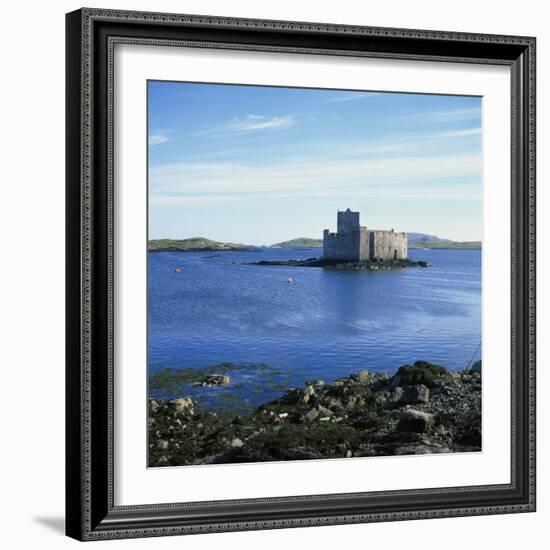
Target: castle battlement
point(353, 242)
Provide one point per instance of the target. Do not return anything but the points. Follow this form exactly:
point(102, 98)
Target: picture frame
point(91, 509)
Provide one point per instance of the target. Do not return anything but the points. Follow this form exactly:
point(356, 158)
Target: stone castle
point(353, 243)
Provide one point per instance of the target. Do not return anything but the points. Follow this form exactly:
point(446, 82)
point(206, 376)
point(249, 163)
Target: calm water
point(323, 325)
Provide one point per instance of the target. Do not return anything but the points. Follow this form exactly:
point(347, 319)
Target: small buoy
point(177, 270)
point(290, 280)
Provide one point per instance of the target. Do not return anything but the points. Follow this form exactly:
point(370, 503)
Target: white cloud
point(157, 139)
point(451, 115)
point(466, 132)
point(251, 123)
point(363, 174)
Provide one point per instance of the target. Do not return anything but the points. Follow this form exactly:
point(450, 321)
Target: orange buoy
point(177, 270)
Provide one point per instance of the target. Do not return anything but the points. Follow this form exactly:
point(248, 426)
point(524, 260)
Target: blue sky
point(259, 165)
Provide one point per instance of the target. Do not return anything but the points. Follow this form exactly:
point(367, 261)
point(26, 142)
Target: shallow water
point(323, 325)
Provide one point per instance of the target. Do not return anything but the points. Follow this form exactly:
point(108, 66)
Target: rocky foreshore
point(421, 409)
point(363, 265)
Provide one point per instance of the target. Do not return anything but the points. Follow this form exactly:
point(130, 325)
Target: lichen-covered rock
point(421, 372)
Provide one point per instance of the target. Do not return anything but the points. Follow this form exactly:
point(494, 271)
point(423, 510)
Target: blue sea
point(323, 325)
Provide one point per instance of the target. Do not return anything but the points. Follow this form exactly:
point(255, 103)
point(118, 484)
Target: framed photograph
point(300, 274)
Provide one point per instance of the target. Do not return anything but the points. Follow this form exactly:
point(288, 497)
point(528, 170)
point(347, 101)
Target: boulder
point(364, 377)
point(214, 380)
point(324, 411)
point(183, 405)
point(311, 415)
point(291, 397)
point(236, 443)
point(415, 394)
point(412, 420)
point(421, 372)
point(309, 392)
point(396, 395)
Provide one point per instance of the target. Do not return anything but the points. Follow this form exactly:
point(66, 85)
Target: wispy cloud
point(352, 96)
point(451, 115)
point(251, 123)
point(466, 132)
point(157, 139)
point(404, 174)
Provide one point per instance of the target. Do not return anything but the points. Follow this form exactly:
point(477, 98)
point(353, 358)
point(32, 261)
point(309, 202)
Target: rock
point(292, 397)
point(162, 444)
point(351, 403)
point(335, 405)
point(415, 394)
point(163, 460)
point(311, 415)
point(309, 392)
point(237, 443)
point(415, 421)
point(324, 411)
point(213, 380)
point(154, 405)
point(421, 372)
point(364, 377)
point(381, 399)
point(183, 405)
point(396, 395)
point(283, 415)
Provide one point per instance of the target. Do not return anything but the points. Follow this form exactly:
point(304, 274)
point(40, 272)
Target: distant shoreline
point(199, 244)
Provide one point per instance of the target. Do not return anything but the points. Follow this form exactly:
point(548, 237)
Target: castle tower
point(348, 221)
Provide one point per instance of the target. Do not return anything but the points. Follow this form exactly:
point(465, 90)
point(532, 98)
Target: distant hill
point(302, 242)
point(416, 241)
point(446, 245)
point(194, 243)
point(421, 240)
point(423, 237)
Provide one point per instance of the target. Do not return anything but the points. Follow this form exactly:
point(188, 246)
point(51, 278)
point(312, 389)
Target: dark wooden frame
point(90, 510)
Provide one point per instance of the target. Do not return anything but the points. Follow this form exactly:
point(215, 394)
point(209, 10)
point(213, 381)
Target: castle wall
point(341, 246)
point(389, 245)
point(353, 242)
point(364, 253)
